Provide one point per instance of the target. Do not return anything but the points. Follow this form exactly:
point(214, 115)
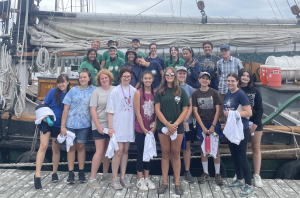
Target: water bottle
point(225, 107)
point(207, 143)
point(183, 145)
point(49, 121)
point(251, 124)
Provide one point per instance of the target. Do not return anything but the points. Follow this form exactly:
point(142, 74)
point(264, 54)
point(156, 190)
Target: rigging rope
point(42, 60)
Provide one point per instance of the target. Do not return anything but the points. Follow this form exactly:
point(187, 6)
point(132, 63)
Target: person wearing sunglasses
point(171, 107)
point(153, 56)
point(193, 67)
point(154, 67)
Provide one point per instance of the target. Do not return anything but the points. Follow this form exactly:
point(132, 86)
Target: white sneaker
point(141, 184)
point(234, 178)
point(257, 181)
point(150, 184)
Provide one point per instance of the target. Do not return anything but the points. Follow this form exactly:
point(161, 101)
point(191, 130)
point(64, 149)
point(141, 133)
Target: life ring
point(27, 157)
point(288, 170)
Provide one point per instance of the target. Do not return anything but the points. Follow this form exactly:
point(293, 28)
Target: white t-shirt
point(124, 113)
point(99, 99)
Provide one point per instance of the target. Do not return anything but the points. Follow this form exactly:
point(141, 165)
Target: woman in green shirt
point(174, 60)
point(105, 56)
point(171, 107)
point(92, 64)
point(113, 63)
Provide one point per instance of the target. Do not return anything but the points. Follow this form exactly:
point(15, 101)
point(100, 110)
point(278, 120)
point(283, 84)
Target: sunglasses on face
point(168, 74)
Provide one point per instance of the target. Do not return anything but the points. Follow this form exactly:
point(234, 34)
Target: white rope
point(42, 60)
point(4, 74)
point(53, 70)
point(20, 104)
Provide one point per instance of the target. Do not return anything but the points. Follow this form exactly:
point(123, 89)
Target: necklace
point(127, 100)
point(204, 92)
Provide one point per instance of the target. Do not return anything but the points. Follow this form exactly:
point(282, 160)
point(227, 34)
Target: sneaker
point(116, 185)
point(150, 184)
point(204, 177)
point(141, 184)
point(162, 189)
point(125, 183)
point(178, 190)
point(94, 184)
point(234, 178)
point(218, 179)
point(54, 178)
point(71, 177)
point(257, 181)
point(81, 176)
point(107, 178)
point(247, 190)
point(37, 182)
point(236, 183)
point(188, 177)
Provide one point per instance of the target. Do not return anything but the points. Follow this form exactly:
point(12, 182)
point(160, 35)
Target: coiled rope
point(42, 60)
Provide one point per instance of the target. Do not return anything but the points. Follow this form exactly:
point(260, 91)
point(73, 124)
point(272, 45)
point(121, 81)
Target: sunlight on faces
point(112, 52)
point(135, 44)
point(245, 78)
point(232, 83)
point(204, 80)
point(112, 43)
point(169, 78)
point(131, 56)
point(181, 75)
point(95, 45)
point(147, 79)
point(207, 49)
point(126, 78)
point(92, 56)
point(187, 55)
point(174, 53)
point(225, 53)
point(104, 80)
point(84, 78)
point(153, 49)
point(63, 85)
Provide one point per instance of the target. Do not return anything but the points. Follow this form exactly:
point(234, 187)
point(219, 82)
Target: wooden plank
point(88, 191)
point(33, 191)
point(227, 192)
point(293, 185)
point(167, 193)
point(236, 191)
point(109, 192)
point(100, 192)
point(195, 189)
point(9, 175)
point(268, 190)
point(17, 186)
point(69, 188)
point(296, 83)
point(186, 188)
point(276, 188)
point(48, 188)
point(155, 180)
point(14, 180)
point(215, 189)
point(205, 190)
point(80, 188)
point(287, 189)
point(28, 185)
point(132, 192)
point(59, 187)
point(3, 171)
point(122, 193)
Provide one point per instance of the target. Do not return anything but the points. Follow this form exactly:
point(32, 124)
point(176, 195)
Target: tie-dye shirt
point(79, 116)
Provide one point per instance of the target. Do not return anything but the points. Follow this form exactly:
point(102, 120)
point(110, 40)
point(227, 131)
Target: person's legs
point(71, 157)
point(55, 155)
point(80, 147)
point(124, 160)
point(97, 158)
point(255, 146)
point(234, 154)
point(165, 143)
point(140, 139)
point(106, 160)
point(187, 156)
point(44, 141)
point(116, 161)
point(176, 162)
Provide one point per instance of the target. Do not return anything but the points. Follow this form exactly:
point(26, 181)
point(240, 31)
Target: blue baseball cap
point(225, 46)
point(135, 39)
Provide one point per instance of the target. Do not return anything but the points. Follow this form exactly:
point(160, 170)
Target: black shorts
point(180, 130)
point(259, 127)
point(45, 128)
point(189, 135)
point(98, 136)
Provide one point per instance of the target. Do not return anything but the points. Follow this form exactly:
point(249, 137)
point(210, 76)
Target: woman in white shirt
point(121, 120)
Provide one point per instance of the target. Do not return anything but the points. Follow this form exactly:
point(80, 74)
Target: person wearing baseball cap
point(105, 56)
point(95, 45)
point(135, 43)
point(228, 64)
point(188, 124)
point(206, 110)
point(113, 63)
point(209, 63)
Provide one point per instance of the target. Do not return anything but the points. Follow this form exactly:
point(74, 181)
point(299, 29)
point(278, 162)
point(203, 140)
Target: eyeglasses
point(124, 77)
point(168, 74)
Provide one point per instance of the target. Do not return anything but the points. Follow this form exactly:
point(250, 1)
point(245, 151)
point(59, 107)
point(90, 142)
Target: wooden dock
point(19, 183)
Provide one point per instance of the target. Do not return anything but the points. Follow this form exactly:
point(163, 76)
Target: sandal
point(162, 189)
point(178, 190)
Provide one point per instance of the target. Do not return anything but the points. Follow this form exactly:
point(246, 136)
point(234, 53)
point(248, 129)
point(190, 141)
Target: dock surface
point(19, 183)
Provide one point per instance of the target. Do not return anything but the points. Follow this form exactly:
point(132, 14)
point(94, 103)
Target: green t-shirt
point(106, 55)
point(170, 108)
point(98, 58)
point(179, 63)
point(113, 67)
point(139, 53)
point(93, 70)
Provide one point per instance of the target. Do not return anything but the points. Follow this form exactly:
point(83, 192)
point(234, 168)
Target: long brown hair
point(176, 89)
point(58, 93)
point(241, 72)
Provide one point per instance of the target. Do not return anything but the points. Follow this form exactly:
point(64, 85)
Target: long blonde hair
point(176, 89)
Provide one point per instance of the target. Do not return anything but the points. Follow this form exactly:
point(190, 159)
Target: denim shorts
point(199, 131)
point(81, 134)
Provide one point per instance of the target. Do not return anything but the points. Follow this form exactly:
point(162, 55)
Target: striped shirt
point(225, 68)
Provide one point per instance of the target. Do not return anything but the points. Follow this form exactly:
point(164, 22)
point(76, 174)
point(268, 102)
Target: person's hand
point(100, 130)
point(63, 131)
point(153, 130)
point(172, 128)
point(252, 128)
point(111, 132)
point(226, 112)
point(185, 121)
point(145, 131)
point(193, 63)
point(205, 131)
point(44, 119)
point(211, 130)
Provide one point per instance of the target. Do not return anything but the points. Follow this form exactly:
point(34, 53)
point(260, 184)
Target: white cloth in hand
point(234, 129)
point(149, 147)
point(173, 136)
point(42, 112)
point(112, 146)
point(214, 143)
point(69, 138)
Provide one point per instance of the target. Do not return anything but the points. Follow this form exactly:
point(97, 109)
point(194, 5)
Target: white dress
point(124, 114)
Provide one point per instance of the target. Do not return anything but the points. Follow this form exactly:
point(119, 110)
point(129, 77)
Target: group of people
point(126, 97)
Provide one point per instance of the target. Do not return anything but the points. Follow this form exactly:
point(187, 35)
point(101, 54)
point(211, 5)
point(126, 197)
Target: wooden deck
point(19, 183)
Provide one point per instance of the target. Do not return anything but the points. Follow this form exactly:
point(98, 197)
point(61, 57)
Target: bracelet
point(213, 125)
point(175, 125)
point(167, 124)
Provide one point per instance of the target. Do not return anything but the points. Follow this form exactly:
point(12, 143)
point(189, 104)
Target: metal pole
point(55, 5)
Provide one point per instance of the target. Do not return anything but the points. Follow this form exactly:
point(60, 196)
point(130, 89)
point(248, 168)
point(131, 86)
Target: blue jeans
point(81, 134)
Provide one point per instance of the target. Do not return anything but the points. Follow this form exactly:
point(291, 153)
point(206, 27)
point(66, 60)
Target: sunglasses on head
point(186, 48)
point(168, 74)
